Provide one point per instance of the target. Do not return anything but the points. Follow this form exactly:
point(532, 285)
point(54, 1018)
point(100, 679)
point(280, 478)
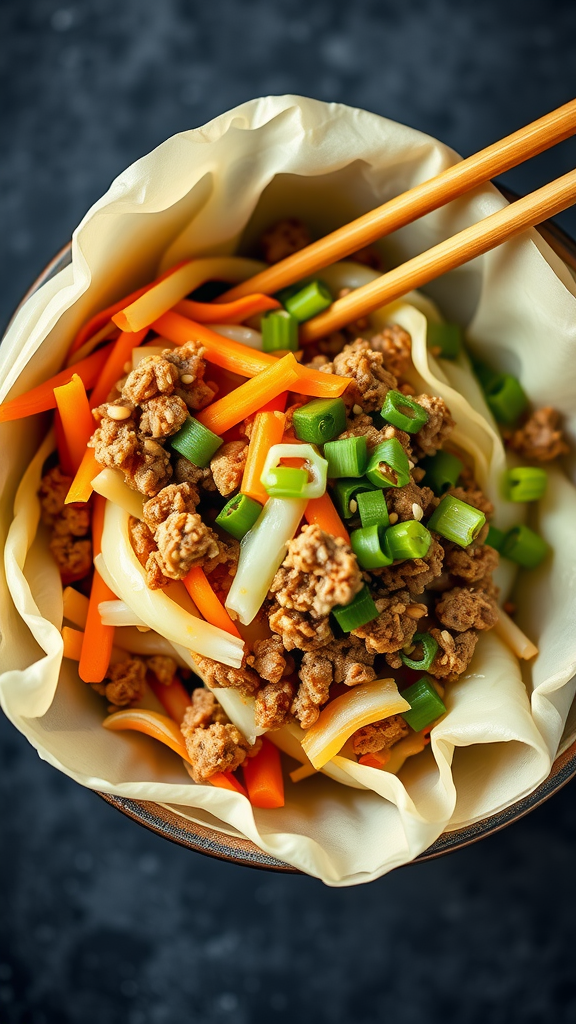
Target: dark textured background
point(99, 920)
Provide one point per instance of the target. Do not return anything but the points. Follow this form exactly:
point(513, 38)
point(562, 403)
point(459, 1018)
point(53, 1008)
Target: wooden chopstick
point(461, 177)
point(453, 252)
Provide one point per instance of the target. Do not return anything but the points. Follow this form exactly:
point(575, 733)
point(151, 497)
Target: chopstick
point(453, 252)
point(454, 181)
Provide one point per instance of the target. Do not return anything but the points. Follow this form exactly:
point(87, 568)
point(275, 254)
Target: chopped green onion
point(442, 471)
point(523, 546)
point(373, 508)
point(291, 289)
point(367, 545)
point(407, 540)
point(403, 412)
point(457, 521)
point(429, 648)
point(525, 483)
point(425, 705)
point(239, 515)
point(320, 420)
point(506, 398)
point(279, 331)
point(388, 465)
point(347, 457)
point(294, 483)
point(309, 301)
point(495, 538)
point(446, 337)
point(357, 613)
point(195, 442)
point(484, 373)
point(346, 491)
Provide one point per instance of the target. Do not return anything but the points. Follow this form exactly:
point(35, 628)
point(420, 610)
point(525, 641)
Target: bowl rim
point(163, 821)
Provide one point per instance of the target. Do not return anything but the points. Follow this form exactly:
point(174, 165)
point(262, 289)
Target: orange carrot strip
point(42, 398)
point(76, 417)
point(98, 638)
point(206, 601)
point(375, 760)
point(267, 430)
point(251, 396)
point(226, 780)
point(233, 355)
point(174, 698)
point(72, 642)
point(227, 312)
point(263, 777)
point(113, 370)
point(81, 486)
point(63, 453)
point(151, 723)
point(322, 513)
point(277, 404)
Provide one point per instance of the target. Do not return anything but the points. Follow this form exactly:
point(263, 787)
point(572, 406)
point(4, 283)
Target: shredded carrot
point(226, 780)
point(42, 398)
point(277, 404)
point(63, 453)
point(226, 312)
point(267, 430)
point(251, 396)
point(322, 513)
point(81, 486)
point(173, 697)
point(76, 417)
point(151, 723)
point(233, 355)
point(263, 777)
point(113, 370)
point(98, 638)
point(206, 601)
point(377, 759)
point(73, 639)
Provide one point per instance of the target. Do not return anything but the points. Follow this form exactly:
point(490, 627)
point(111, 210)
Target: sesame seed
point(393, 518)
point(389, 432)
point(118, 412)
point(417, 512)
point(446, 636)
point(353, 505)
point(416, 611)
point(357, 409)
point(410, 464)
point(186, 378)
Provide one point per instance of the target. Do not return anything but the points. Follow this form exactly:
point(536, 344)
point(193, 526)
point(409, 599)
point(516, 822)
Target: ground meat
point(320, 362)
point(385, 733)
point(472, 563)
point(163, 667)
point(173, 498)
point(395, 344)
point(313, 692)
point(362, 426)
point(186, 472)
point(284, 238)
point(226, 561)
point(332, 344)
point(70, 524)
point(153, 469)
point(115, 442)
point(541, 436)
point(472, 495)
point(394, 627)
point(190, 367)
point(228, 466)
point(73, 520)
point(370, 381)
point(183, 541)
point(431, 437)
point(414, 573)
point(52, 493)
point(203, 711)
point(125, 681)
point(463, 608)
point(163, 416)
point(218, 748)
point(155, 375)
point(273, 704)
point(368, 256)
point(268, 659)
point(342, 661)
point(406, 501)
point(74, 557)
point(146, 550)
point(454, 653)
point(318, 573)
point(298, 629)
point(215, 674)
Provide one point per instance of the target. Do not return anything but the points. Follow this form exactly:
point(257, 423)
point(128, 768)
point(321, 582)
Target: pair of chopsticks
point(473, 241)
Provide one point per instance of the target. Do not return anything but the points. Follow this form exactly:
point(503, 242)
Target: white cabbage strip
point(237, 332)
point(118, 613)
point(110, 484)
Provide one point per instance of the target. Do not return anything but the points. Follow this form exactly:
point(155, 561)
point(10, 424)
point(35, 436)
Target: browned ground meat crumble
point(213, 743)
point(69, 525)
point(375, 737)
point(541, 436)
point(284, 238)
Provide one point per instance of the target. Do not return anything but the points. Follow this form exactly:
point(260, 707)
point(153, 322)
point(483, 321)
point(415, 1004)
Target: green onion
point(525, 483)
point(367, 545)
point(429, 648)
point(286, 482)
point(485, 375)
point(495, 538)
point(442, 471)
point(347, 457)
point(294, 483)
point(373, 508)
point(291, 289)
point(360, 611)
point(309, 301)
point(403, 412)
point(506, 398)
point(425, 705)
point(239, 515)
point(457, 521)
point(279, 331)
point(407, 540)
point(446, 337)
point(346, 491)
point(195, 442)
point(388, 465)
point(320, 420)
point(525, 547)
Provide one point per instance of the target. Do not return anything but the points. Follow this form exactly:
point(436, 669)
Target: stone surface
point(101, 921)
